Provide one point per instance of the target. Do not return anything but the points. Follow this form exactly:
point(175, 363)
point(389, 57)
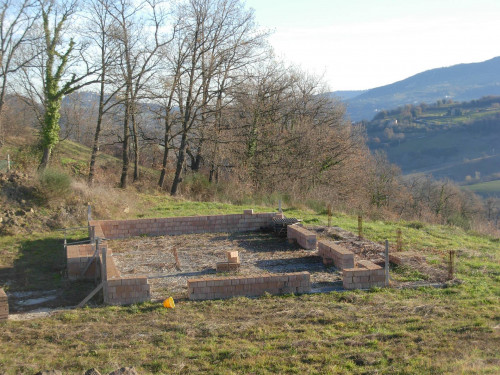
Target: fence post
point(97, 269)
point(65, 245)
point(329, 215)
point(451, 265)
point(386, 263)
point(89, 212)
point(8, 162)
point(399, 240)
point(104, 275)
point(360, 227)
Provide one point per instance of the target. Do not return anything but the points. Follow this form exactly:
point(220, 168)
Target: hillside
point(458, 82)
point(455, 140)
point(424, 330)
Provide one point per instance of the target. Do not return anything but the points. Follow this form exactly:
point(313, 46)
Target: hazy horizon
point(363, 44)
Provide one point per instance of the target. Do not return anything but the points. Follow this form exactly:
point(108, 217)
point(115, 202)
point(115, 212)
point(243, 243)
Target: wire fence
point(6, 164)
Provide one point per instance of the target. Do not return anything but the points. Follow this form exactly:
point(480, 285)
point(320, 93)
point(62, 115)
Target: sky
point(361, 44)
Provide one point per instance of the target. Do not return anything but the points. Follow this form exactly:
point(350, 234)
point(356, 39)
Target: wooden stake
point(399, 240)
point(8, 162)
point(360, 227)
point(177, 261)
point(329, 215)
point(92, 294)
point(451, 265)
point(386, 263)
point(104, 274)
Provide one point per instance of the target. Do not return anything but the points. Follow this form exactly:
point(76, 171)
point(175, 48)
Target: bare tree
point(212, 33)
point(140, 40)
point(17, 19)
point(100, 27)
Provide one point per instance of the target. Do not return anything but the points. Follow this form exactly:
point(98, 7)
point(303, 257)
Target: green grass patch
point(485, 188)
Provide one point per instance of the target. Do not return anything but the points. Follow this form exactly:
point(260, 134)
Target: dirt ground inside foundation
point(260, 253)
point(198, 254)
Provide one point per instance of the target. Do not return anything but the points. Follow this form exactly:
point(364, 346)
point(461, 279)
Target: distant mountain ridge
point(458, 82)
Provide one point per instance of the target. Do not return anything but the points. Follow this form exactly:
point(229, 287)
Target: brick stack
point(248, 221)
point(232, 264)
point(306, 239)
point(365, 276)
point(255, 285)
point(4, 305)
point(335, 254)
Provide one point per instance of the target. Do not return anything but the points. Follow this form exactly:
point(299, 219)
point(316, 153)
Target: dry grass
point(390, 332)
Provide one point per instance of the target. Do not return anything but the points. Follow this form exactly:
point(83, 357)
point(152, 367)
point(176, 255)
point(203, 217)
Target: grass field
point(422, 331)
point(491, 188)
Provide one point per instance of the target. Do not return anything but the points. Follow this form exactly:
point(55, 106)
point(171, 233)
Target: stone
point(49, 372)
point(125, 371)
point(92, 371)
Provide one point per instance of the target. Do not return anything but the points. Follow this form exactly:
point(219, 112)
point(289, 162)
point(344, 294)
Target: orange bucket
point(169, 303)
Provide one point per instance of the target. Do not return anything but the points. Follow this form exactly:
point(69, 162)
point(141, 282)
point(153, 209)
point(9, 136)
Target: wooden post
point(89, 212)
point(8, 162)
point(177, 261)
point(97, 270)
point(386, 263)
point(279, 207)
point(451, 265)
point(399, 240)
point(329, 215)
point(104, 276)
point(360, 227)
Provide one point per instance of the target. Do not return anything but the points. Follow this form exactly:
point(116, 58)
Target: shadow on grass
point(38, 279)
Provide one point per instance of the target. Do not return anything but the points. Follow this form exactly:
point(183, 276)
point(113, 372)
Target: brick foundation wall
point(248, 221)
point(304, 238)
point(256, 285)
point(77, 259)
point(336, 254)
point(366, 275)
point(127, 290)
point(118, 290)
point(4, 305)
point(123, 290)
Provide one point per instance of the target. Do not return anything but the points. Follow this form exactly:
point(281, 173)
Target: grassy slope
point(453, 330)
point(452, 152)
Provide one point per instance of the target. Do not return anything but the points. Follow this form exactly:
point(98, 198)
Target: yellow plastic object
point(169, 303)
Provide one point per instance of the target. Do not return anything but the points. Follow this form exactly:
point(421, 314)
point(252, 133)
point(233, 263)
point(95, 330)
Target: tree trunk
point(163, 167)
point(180, 163)
point(126, 136)
point(2, 101)
point(95, 146)
point(166, 136)
point(47, 151)
point(136, 146)
point(195, 165)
